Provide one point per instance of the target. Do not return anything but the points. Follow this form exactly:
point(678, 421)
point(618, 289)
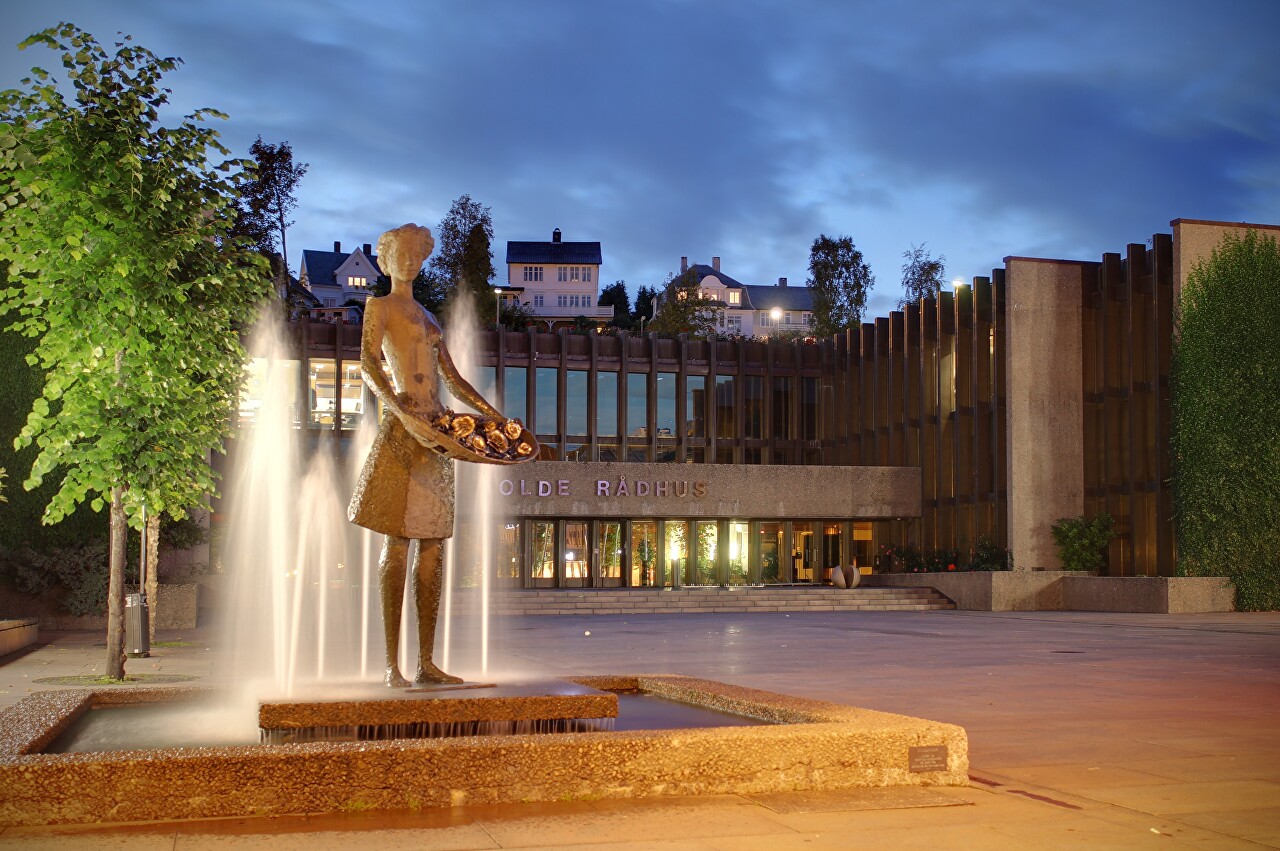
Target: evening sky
point(740, 129)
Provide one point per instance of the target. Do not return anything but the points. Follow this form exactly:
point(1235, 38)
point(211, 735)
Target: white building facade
point(558, 281)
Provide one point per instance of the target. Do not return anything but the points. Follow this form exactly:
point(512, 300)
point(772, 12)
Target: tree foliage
point(1226, 432)
point(840, 281)
point(645, 297)
point(615, 295)
point(266, 198)
point(463, 258)
point(922, 275)
point(115, 232)
point(683, 309)
point(20, 526)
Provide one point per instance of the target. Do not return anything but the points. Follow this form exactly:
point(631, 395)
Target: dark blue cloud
point(741, 129)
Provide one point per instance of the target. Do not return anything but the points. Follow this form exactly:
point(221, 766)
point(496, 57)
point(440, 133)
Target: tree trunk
point(115, 587)
point(153, 573)
point(284, 246)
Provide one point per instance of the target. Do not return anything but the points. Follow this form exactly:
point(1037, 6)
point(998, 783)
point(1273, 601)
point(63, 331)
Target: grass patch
point(173, 644)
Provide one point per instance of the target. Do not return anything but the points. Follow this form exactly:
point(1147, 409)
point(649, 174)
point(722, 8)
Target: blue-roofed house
point(754, 310)
point(339, 279)
point(557, 280)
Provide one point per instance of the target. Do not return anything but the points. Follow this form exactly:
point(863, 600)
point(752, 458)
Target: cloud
point(742, 129)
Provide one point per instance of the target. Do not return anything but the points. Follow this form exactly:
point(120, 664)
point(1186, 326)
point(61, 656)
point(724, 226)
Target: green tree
point(645, 298)
point(683, 308)
point(115, 230)
point(476, 271)
point(840, 281)
point(615, 296)
point(266, 198)
point(463, 258)
point(1226, 432)
point(922, 275)
point(517, 316)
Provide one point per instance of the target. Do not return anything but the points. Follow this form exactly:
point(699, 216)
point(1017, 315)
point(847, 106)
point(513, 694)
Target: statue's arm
point(460, 387)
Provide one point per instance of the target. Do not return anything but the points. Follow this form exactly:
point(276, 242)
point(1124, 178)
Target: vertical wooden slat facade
point(923, 387)
point(1127, 326)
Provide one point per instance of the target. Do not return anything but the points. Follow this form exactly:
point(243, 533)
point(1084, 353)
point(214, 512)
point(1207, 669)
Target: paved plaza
point(1086, 731)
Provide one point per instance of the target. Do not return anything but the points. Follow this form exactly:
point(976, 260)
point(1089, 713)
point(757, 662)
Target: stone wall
point(1061, 590)
point(176, 609)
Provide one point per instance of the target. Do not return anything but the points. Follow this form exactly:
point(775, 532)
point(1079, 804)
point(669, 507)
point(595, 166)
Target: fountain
point(309, 727)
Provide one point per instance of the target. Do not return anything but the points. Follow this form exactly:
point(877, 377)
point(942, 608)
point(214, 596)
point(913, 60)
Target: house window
point(735, 324)
point(808, 319)
point(357, 283)
point(330, 302)
point(562, 301)
point(574, 273)
point(562, 274)
point(735, 297)
point(537, 300)
point(787, 318)
point(532, 274)
point(765, 319)
point(586, 273)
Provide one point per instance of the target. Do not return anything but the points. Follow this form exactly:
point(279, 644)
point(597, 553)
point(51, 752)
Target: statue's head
point(403, 250)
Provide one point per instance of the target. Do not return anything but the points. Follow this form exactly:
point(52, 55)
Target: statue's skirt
point(405, 488)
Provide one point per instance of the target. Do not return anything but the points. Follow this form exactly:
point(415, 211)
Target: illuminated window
point(357, 283)
point(735, 297)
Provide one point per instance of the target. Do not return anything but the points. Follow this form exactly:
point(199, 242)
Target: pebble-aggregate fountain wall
point(304, 633)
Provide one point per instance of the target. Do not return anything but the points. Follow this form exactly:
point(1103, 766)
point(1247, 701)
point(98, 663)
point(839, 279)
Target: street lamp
point(776, 315)
point(497, 306)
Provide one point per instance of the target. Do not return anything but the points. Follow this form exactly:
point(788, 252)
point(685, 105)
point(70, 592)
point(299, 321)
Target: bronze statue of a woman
point(406, 488)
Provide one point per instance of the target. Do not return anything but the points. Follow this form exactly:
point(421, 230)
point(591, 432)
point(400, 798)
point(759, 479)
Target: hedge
point(1226, 419)
point(20, 515)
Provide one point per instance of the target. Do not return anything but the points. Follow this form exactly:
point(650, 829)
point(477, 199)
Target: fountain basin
point(810, 745)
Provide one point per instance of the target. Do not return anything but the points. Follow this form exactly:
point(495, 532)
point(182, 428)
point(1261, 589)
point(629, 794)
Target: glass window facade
point(606, 404)
point(576, 414)
point(514, 391)
point(546, 385)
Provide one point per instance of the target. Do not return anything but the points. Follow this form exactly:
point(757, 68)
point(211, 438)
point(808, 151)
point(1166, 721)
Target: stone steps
point(608, 601)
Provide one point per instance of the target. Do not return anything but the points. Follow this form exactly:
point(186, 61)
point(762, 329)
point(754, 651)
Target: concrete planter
point(17, 633)
point(986, 591)
point(1162, 594)
point(1063, 590)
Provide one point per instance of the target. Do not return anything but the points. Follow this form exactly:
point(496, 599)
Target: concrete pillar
point(1045, 405)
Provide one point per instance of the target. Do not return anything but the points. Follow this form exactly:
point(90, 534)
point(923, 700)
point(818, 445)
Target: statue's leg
point(428, 577)
point(391, 574)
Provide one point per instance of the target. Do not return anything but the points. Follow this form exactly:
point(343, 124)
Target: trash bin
point(137, 628)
